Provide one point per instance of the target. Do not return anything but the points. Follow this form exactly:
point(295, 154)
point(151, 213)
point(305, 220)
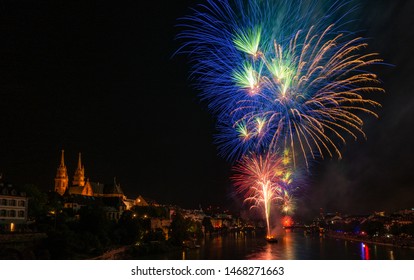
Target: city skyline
point(103, 81)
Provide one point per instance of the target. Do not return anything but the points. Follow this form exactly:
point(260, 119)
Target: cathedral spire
point(62, 159)
point(79, 177)
point(61, 179)
point(80, 161)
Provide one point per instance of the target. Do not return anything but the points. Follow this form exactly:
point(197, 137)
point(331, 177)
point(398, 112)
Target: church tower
point(61, 179)
point(79, 177)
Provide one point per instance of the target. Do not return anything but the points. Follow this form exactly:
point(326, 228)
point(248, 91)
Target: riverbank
point(385, 241)
point(13, 238)
point(142, 251)
point(115, 254)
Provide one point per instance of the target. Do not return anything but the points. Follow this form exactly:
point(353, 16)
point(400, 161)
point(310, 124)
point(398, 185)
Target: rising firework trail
point(262, 181)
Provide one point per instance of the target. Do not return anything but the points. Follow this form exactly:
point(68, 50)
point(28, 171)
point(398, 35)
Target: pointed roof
point(61, 172)
point(114, 188)
point(62, 159)
point(79, 177)
point(80, 161)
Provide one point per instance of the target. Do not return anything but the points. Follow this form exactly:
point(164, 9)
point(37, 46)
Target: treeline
point(89, 232)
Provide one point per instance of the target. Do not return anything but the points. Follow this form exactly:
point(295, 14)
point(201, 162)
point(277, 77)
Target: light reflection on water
point(364, 251)
point(297, 246)
point(290, 246)
point(391, 255)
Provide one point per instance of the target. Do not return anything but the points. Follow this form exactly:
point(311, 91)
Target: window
point(21, 213)
point(21, 203)
point(12, 213)
point(2, 213)
point(3, 202)
point(12, 202)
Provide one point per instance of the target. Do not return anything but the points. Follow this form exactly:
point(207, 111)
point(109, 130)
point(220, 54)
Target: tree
point(130, 229)
point(408, 229)
point(208, 226)
point(373, 227)
point(151, 211)
point(179, 229)
point(37, 201)
point(93, 219)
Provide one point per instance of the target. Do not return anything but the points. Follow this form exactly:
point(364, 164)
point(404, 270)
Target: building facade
point(13, 208)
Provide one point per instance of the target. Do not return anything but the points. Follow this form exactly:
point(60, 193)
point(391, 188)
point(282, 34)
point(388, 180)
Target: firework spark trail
point(280, 74)
point(262, 181)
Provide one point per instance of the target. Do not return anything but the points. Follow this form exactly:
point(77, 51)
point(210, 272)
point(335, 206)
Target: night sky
point(100, 78)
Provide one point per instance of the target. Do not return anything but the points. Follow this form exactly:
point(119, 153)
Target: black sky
point(98, 78)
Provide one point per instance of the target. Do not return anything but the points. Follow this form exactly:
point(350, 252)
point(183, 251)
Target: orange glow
point(287, 221)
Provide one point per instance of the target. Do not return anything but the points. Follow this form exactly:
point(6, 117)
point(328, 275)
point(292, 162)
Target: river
point(293, 245)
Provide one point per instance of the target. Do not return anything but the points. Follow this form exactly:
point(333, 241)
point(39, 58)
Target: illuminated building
point(13, 208)
point(139, 201)
point(79, 177)
point(79, 185)
point(82, 192)
point(61, 179)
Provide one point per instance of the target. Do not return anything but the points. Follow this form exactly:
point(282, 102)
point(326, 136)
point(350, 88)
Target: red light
point(287, 221)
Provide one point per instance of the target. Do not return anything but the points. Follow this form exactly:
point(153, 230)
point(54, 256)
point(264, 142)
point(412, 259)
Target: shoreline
point(375, 242)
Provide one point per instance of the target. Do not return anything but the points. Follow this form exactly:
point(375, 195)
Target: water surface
point(293, 245)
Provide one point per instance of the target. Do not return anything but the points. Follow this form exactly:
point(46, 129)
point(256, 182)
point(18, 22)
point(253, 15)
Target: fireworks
point(285, 81)
point(307, 96)
point(281, 74)
point(262, 181)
